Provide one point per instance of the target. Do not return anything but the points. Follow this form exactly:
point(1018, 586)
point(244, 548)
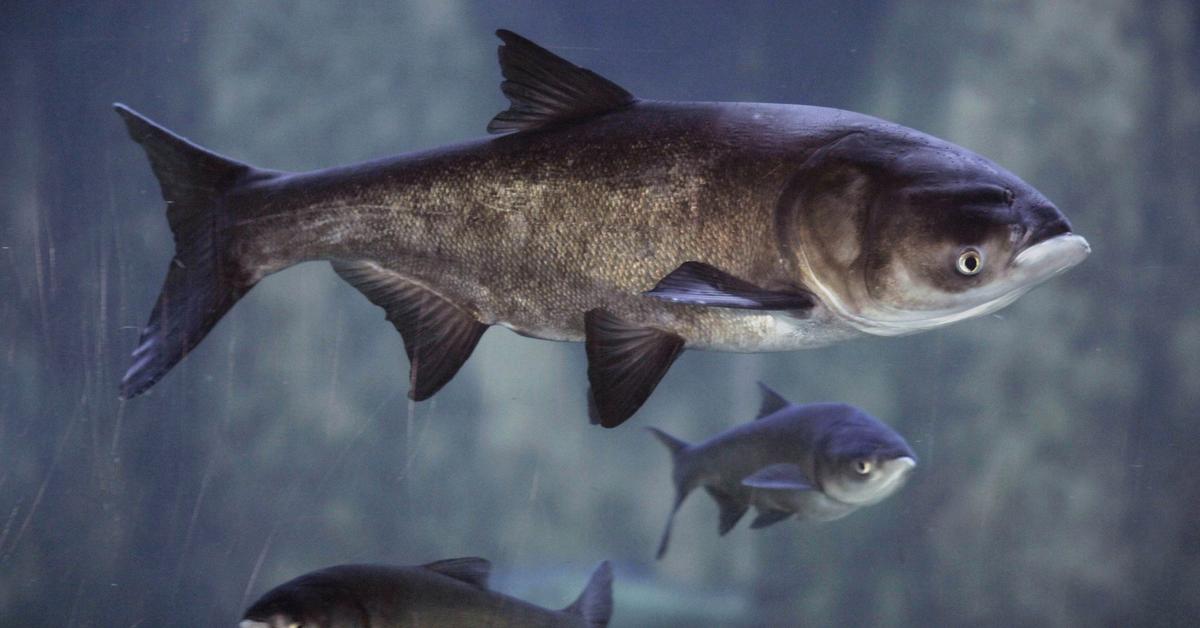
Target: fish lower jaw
point(900, 326)
point(897, 471)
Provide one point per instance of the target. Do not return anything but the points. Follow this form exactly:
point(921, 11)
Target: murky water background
point(1057, 439)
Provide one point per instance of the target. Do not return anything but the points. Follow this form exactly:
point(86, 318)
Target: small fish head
point(313, 600)
point(861, 461)
point(916, 233)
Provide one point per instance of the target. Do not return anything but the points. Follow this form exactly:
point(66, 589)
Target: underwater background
point(1058, 439)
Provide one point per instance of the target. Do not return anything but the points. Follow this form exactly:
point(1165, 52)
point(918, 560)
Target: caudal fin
point(681, 478)
point(203, 280)
point(595, 603)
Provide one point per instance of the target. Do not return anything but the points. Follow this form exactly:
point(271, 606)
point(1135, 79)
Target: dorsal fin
point(595, 603)
point(471, 570)
point(772, 402)
point(545, 89)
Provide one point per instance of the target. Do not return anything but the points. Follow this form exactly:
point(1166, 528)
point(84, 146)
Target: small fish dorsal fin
point(471, 570)
point(595, 603)
point(772, 402)
point(545, 89)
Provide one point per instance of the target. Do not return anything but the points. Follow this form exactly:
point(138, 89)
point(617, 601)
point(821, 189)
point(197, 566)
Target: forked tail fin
point(203, 280)
point(681, 477)
point(595, 603)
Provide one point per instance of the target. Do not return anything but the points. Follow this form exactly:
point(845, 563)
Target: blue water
point(1057, 438)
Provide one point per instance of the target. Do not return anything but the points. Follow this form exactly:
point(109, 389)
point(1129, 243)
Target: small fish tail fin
point(595, 603)
point(681, 476)
point(674, 444)
point(203, 280)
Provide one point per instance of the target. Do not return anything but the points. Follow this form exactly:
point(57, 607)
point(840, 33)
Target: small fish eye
point(970, 262)
point(863, 466)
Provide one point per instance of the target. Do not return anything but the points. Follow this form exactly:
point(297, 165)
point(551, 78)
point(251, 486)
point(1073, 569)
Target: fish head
point(900, 232)
point(861, 461)
point(314, 600)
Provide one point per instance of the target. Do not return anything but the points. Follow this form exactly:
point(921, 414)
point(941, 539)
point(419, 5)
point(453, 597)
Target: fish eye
point(970, 262)
point(863, 466)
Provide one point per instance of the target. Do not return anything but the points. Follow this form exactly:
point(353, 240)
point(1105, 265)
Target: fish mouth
point(899, 468)
point(1050, 256)
point(1032, 265)
point(895, 473)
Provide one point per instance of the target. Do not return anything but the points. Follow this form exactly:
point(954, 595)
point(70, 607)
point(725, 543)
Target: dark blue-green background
point(1058, 439)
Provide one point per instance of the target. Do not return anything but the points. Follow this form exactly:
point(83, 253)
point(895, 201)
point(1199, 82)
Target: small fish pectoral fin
point(696, 283)
point(545, 89)
point(438, 335)
point(772, 402)
point(782, 476)
point(471, 570)
point(769, 518)
point(731, 509)
point(625, 363)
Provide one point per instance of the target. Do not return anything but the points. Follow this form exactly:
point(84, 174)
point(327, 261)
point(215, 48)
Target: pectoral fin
point(438, 335)
point(769, 518)
point(696, 283)
point(782, 476)
point(625, 363)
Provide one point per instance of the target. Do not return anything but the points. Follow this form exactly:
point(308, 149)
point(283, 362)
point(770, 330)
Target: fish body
point(531, 230)
point(641, 228)
point(441, 594)
point(813, 462)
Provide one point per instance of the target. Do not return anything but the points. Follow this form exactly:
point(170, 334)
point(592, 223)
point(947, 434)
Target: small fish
point(818, 461)
point(445, 593)
point(639, 227)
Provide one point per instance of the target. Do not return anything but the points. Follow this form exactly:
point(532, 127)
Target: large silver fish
point(638, 227)
point(816, 462)
point(447, 593)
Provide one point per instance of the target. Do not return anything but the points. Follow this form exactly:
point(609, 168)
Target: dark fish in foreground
point(447, 593)
point(639, 227)
point(818, 462)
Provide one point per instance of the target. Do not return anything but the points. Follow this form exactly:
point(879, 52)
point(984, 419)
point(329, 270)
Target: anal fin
point(625, 363)
point(438, 334)
point(731, 509)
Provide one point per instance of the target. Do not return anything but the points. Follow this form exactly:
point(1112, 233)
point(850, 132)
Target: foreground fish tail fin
point(203, 281)
point(682, 477)
point(595, 603)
